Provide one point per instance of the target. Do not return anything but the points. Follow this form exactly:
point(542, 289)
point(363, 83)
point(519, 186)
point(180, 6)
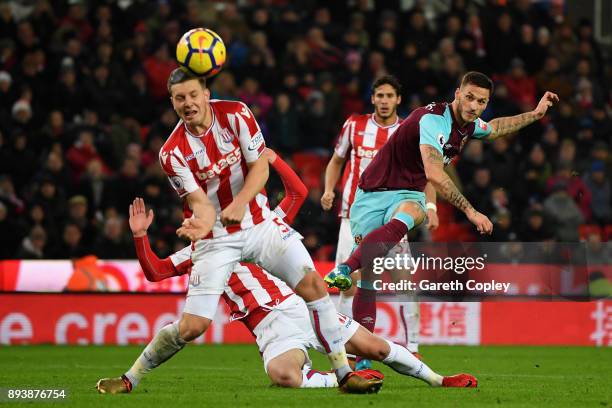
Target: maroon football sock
point(376, 244)
point(364, 309)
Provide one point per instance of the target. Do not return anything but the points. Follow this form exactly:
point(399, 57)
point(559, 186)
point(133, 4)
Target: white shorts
point(346, 242)
point(272, 244)
point(288, 327)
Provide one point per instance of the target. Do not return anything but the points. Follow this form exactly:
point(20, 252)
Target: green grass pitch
point(232, 376)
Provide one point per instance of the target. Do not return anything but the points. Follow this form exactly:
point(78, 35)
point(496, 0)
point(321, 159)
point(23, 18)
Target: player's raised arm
point(433, 163)
point(252, 145)
point(295, 190)
point(155, 269)
point(509, 124)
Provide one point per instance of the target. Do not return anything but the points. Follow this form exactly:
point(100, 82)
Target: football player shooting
point(390, 200)
point(360, 139)
point(282, 329)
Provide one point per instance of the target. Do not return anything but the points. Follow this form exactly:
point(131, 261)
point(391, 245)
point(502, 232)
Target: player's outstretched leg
point(403, 361)
point(166, 343)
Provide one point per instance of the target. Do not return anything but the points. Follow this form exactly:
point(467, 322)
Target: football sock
point(164, 345)
point(377, 243)
point(402, 361)
point(364, 309)
point(317, 379)
point(345, 305)
point(411, 319)
point(328, 330)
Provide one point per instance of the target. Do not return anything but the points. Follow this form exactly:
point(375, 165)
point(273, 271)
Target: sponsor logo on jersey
point(215, 169)
point(367, 153)
point(256, 142)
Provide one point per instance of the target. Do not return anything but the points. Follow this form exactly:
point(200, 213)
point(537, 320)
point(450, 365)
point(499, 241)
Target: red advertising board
point(134, 318)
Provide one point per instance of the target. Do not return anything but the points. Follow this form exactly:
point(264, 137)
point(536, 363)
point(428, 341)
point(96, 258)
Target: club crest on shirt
point(358, 239)
point(226, 135)
point(177, 182)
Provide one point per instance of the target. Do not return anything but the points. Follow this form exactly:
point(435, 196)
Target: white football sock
point(327, 328)
point(402, 361)
point(345, 305)
point(164, 345)
point(317, 379)
point(410, 317)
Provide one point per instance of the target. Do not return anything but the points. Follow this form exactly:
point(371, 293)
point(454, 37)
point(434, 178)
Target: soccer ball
point(201, 51)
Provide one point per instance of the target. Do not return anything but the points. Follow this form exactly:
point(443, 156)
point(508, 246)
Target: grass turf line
point(232, 375)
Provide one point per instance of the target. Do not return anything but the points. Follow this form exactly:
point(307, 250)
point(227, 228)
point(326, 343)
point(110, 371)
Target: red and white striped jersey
point(250, 292)
point(363, 136)
point(217, 161)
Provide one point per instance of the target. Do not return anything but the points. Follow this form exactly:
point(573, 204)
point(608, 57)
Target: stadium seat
point(310, 166)
point(608, 232)
point(587, 229)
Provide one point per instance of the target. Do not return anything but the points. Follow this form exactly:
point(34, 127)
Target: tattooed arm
point(433, 162)
point(510, 124)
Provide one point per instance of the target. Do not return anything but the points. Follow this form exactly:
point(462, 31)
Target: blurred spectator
point(70, 245)
point(574, 186)
point(34, 245)
point(10, 234)
point(564, 214)
point(113, 243)
point(534, 227)
point(78, 215)
point(284, 124)
point(597, 182)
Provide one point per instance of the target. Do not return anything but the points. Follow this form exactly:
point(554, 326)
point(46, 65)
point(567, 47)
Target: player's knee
point(412, 209)
point(191, 329)
point(311, 287)
point(378, 350)
point(285, 376)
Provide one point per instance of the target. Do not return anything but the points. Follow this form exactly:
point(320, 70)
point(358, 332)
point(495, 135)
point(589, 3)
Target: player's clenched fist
point(327, 200)
point(232, 214)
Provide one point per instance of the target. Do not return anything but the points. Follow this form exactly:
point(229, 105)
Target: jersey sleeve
point(249, 134)
point(343, 144)
point(482, 129)
point(180, 175)
point(155, 269)
point(182, 260)
point(295, 191)
point(432, 131)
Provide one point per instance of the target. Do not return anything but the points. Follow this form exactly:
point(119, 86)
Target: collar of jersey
point(381, 126)
point(212, 112)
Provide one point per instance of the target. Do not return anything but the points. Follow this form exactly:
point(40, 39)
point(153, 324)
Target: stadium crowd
point(84, 109)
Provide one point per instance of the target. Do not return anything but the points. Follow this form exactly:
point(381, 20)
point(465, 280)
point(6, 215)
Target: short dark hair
point(180, 75)
point(479, 79)
point(388, 80)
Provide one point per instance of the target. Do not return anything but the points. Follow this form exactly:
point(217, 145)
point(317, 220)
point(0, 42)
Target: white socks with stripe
point(345, 305)
point(328, 330)
point(317, 379)
point(402, 361)
point(410, 317)
point(164, 345)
